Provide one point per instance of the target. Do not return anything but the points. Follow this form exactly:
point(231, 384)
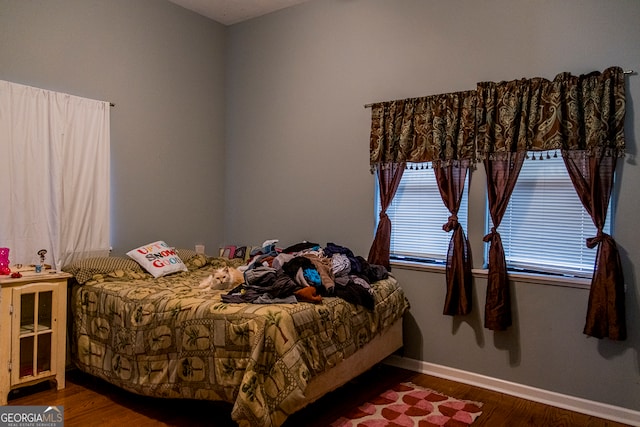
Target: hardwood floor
point(91, 402)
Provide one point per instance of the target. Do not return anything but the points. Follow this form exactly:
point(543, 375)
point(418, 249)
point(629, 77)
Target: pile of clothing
point(306, 272)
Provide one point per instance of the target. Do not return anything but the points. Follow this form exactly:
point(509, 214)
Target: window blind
point(417, 215)
point(545, 226)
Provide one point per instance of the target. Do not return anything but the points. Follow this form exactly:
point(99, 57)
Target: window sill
point(538, 279)
point(418, 266)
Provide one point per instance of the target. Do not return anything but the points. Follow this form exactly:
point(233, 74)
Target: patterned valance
point(439, 129)
point(583, 112)
point(568, 113)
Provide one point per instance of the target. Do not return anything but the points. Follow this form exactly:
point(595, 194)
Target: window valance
point(567, 113)
point(439, 129)
point(583, 112)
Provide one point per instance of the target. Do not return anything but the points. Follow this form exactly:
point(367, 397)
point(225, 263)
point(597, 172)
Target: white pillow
point(158, 258)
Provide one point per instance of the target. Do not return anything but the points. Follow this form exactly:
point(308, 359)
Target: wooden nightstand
point(33, 318)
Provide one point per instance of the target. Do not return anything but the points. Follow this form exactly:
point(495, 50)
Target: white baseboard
point(576, 404)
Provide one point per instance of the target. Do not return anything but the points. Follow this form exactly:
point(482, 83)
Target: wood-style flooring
point(89, 402)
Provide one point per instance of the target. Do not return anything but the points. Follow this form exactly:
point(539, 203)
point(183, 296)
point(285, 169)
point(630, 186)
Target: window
point(58, 197)
point(417, 215)
point(545, 226)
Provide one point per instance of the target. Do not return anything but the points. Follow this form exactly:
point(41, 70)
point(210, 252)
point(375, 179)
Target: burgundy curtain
point(597, 129)
point(388, 181)
point(451, 181)
point(592, 178)
point(507, 113)
point(502, 174)
point(593, 129)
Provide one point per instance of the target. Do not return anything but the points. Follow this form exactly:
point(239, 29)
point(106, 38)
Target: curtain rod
point(111, 104)
point(624, 72)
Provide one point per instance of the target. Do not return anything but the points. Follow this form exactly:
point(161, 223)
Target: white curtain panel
point(54, 175)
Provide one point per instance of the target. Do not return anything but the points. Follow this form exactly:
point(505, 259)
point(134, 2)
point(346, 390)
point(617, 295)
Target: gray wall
point(297, 157)
point(294, 141)
point(163, 67)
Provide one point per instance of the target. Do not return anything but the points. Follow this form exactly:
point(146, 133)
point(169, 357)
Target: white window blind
point(417, 215)
point(545, 226)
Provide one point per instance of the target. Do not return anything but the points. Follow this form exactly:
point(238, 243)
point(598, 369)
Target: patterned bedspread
point(166, 337)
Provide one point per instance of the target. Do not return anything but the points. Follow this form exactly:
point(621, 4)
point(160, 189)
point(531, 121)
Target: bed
point(166, 337)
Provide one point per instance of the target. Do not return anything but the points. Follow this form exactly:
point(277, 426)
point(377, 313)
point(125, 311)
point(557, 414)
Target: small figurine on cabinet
point(41, 253)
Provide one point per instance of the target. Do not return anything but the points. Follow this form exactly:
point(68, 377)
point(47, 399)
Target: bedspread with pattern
point(167, 338)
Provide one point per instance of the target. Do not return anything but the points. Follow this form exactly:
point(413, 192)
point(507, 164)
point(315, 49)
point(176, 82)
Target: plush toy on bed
point(223, 278)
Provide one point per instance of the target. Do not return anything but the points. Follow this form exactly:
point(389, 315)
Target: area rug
point(406, 405)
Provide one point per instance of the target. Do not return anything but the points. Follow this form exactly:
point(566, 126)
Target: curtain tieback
point(490, 236)
point(592, 242)
point(451, 224)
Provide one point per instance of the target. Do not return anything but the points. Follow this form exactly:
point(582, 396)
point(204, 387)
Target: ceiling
point(230, 12)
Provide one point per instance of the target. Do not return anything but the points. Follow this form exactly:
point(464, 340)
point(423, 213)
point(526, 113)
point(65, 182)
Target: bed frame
point(374, 352)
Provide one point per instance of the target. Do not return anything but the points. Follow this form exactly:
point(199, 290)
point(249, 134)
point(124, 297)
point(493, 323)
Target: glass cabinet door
point(33, 307)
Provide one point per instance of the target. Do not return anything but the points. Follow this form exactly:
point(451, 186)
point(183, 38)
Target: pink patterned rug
point(406, 405)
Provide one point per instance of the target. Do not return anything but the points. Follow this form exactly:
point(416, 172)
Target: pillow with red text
point(158, 258)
